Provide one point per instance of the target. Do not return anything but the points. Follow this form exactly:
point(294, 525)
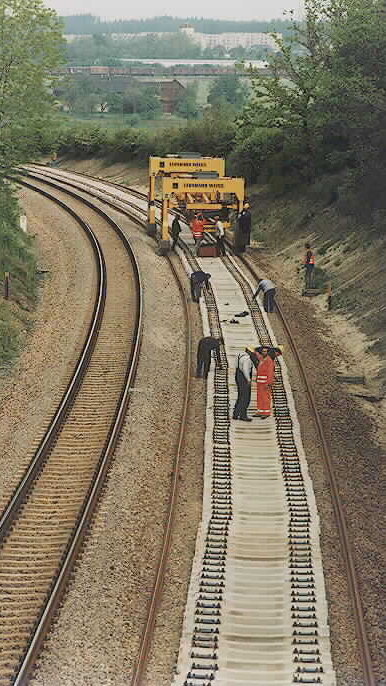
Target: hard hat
point(246, 205)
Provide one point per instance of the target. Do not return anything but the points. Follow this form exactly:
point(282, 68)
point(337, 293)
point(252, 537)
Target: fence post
point(329, 297)
point(6, 285)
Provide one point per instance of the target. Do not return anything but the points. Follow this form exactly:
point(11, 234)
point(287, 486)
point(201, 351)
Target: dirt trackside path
point(356, 434)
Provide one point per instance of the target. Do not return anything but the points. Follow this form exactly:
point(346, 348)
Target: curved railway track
point(45, 522)
point(369, 679)
point(162, 562)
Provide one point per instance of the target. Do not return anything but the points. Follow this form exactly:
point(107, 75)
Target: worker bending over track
point(206, 347)
point(197, 280)
point(269, 291)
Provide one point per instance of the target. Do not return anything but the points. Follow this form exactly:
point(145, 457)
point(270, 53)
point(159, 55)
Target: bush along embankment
point(18, 260)
point(214, 135)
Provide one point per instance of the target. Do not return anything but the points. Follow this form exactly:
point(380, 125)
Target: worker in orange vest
point(309, 266)
point(265, 378)
point(197, 227)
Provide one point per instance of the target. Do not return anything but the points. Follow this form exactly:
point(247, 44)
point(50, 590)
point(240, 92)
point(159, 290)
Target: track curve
point(44, 525)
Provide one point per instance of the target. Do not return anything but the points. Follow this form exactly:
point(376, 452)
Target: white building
point(205, 40)
point(231, 40)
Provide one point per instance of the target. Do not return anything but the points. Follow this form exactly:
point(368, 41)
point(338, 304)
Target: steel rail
point(148, 632)
point(69, 560)
point(37, 463)
point(155, 600)
point(353, 584)
point(360, 625)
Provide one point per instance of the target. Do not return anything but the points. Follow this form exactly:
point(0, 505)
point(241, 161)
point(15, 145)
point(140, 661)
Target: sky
point(218, 9)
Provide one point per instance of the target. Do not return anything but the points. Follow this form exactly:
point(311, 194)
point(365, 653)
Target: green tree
point(324, 92)
point(187, 105)
point(227, 89)
point(30, 47)
point(143, 100)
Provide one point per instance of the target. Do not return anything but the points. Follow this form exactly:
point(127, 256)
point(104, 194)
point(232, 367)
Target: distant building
point(205, 40)
point(170, 93)
point(231, 40)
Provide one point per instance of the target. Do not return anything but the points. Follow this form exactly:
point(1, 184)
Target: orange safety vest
point(265, 371)
point(309, 259)
point(198, 228)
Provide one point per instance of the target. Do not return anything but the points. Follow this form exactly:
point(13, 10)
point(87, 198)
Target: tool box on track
point(210, 250)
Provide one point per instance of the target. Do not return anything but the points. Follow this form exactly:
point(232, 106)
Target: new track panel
point(256, 610)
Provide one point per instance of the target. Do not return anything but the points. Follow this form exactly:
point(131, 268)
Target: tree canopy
point(322, 108)
point(30, 47)
point(227, 89)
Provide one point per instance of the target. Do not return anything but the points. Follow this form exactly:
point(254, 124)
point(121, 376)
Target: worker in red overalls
point(197, 227)
point(265, 378)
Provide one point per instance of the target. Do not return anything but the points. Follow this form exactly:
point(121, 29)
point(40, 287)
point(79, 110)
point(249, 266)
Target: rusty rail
point(54, 600)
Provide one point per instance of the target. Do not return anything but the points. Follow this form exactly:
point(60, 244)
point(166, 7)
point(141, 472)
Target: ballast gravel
point(31, 391)
point(97, 633)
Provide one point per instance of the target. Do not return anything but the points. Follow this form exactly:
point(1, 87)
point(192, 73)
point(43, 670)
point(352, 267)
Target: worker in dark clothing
point(206, 347)
point(243, 232)
point(309, 266)
point(175, 231)
point(197, 280)
point(243, 378)
point(272, 352)
point(268, 289)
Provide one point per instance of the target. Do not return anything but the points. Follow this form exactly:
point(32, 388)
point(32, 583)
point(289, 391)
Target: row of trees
point(83, 94)
point(322, 110)
point(103, 50)
point(89, 24)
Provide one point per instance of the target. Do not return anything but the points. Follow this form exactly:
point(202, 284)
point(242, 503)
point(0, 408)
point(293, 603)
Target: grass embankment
point(349, 250)
point(16, 257)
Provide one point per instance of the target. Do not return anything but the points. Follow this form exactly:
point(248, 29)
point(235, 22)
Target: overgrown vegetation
point(214, 133)
point(30, 47)
point(324, 110)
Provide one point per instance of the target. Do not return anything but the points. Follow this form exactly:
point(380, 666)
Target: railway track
point(162, 562)
point(45, 522)
point(309, 652)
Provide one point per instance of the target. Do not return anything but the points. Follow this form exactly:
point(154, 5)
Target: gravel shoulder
point(352, 429)
point(33, 388)
point(97, 632)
